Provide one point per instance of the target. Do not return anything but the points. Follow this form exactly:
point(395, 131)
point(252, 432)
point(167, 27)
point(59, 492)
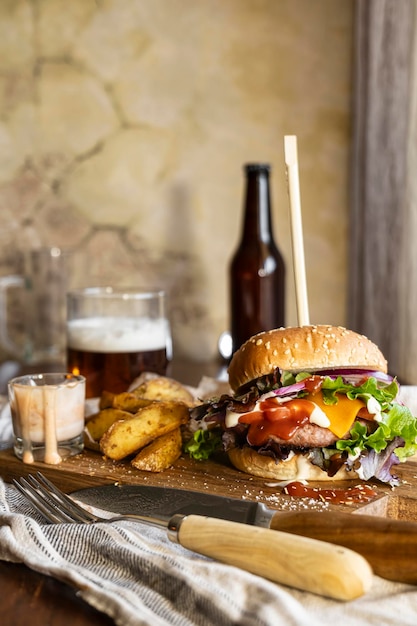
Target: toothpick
point(291, 161)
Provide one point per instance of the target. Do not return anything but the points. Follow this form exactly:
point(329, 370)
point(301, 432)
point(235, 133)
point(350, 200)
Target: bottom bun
point(297, 467)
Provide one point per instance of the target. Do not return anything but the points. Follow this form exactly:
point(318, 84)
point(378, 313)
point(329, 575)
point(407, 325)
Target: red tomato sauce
point(274, 418)
point(351, 495)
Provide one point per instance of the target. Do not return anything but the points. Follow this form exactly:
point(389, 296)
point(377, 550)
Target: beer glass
point(34, 332)
point(113, 335)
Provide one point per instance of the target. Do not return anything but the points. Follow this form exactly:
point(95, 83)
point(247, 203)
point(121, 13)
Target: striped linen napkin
point(134, 574)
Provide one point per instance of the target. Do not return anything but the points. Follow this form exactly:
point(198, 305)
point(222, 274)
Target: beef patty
point(309, 436)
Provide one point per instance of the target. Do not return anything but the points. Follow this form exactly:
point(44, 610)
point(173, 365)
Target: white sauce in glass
point(47, 414)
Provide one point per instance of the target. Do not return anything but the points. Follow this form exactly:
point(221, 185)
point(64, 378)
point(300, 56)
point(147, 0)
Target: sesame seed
point(259, 342)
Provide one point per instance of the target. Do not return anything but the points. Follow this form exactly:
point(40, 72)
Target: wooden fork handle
point(299, 562)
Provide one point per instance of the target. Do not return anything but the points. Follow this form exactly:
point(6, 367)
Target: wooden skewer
point(291, 161)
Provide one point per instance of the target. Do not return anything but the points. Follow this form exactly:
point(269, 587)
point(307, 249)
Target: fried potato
point(163, 388)
point(160, 454)
point(106, 400)
point(125, 437)
point(155, 389)
point(89, 443)
point(100, 422)
point(127, 401)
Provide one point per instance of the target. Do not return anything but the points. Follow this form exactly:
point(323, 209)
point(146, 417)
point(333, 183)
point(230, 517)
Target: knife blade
point(390, 546)
point(307, 564)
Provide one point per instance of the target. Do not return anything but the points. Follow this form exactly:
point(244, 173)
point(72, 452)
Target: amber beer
point(112, 352)
point(257, 269)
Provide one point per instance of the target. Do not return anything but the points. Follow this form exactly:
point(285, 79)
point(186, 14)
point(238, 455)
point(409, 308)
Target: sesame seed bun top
point(303, 348)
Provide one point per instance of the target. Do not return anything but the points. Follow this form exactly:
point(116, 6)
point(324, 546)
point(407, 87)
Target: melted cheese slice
point(341, 415)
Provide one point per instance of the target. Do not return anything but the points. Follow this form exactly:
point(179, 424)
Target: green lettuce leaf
point(397, 422)
point(203, 444)
point(371, 388)
point(288, 378)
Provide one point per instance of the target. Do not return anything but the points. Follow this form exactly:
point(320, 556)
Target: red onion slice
point(290, 390)
point(349, 375)
point(356, 374)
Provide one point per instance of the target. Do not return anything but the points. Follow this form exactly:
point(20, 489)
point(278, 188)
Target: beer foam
point(118, 334)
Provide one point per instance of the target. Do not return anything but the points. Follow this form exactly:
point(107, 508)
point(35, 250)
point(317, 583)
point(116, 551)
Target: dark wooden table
point(30, 598)
point(27, 597)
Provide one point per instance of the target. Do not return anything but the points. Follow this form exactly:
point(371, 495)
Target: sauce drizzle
point(274, 418)
point(351, 495)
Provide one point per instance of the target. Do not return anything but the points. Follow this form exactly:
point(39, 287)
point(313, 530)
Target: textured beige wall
point(124, 125)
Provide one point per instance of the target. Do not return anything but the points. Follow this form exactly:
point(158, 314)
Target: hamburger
point(307, 403)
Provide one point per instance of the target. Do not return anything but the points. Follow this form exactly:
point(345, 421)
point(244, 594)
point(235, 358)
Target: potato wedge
point(127, 401)
point(160, 454)
point(163, 388)
point(100, 422)
point(123, 438)
point(89, 443)
point(106, 400)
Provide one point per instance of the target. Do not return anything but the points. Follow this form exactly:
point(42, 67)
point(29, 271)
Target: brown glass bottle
point(257, 269)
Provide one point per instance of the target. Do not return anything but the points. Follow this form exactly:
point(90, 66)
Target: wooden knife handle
point(390, 546)
point(299, 562)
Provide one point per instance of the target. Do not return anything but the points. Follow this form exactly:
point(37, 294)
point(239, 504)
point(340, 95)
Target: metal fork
point(333, 571)
point(57, 507)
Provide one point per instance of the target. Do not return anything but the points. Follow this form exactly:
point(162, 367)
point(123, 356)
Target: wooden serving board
point(215, 476)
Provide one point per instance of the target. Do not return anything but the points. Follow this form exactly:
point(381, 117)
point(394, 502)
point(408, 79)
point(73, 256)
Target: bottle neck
point(257, 223)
